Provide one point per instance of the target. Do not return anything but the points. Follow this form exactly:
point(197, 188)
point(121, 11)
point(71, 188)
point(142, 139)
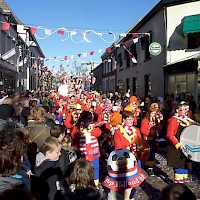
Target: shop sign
point(155, 49)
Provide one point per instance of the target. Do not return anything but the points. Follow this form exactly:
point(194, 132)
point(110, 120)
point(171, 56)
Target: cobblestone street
point(150, 190)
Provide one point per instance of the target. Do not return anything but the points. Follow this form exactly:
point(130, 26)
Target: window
point(126, 58)
point(193, 40)
point(3, 43)
point(119, 61)
point(127, 84)
point(134, 88)
point(133, 50)
point(145, 42)
point(147, 83)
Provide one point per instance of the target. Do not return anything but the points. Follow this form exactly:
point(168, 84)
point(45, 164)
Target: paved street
point(163, 175)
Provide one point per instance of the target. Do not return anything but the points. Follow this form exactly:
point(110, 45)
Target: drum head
point(190, 139)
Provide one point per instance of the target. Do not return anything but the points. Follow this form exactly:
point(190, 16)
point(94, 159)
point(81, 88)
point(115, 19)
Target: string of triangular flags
point(134, 40)
point(64, 31)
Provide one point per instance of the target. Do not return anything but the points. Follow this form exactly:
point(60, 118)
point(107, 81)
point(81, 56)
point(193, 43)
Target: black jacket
point(45, 182)
point(81, 195)
point(9, 182)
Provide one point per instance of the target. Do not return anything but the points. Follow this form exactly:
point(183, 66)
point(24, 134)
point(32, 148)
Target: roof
point(6, 9)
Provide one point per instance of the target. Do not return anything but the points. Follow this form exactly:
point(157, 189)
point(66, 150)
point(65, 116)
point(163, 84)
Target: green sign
point(155, 49)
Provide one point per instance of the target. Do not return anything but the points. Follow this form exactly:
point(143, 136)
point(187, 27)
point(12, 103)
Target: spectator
point(11, 152)
point(16, 193)
point(58, 131)
point(6, 109)
point(176, 191)
point(45, 182)
point(79, 182)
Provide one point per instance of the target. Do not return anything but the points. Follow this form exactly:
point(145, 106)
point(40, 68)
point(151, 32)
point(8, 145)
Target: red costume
point(124, 135)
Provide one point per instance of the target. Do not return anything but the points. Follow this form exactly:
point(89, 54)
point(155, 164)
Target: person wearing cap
point(124, 175)
point(73, 117)
point(133, 107)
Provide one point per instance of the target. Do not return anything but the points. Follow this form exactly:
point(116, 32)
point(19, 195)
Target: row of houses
point(18, 53)
point(129, 65)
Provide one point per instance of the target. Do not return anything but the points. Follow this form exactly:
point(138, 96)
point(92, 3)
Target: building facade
point(175, 70)
point(18, 54)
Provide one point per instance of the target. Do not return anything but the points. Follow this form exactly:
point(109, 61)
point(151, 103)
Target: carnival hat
point(123, 171)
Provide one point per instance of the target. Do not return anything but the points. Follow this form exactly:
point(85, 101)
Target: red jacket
point(88, 149)
point(122, 139)
point(172, 128)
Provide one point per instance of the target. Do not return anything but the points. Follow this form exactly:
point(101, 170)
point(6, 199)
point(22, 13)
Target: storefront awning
point(191, 24)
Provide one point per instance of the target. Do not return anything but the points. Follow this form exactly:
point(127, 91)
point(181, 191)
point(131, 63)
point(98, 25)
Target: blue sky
point(101, 16)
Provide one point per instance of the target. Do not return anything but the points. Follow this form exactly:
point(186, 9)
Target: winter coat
point(9, 182)
point(67, 194)
point(45, 182)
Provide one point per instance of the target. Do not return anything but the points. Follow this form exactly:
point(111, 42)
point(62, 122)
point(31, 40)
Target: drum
point(190, 140)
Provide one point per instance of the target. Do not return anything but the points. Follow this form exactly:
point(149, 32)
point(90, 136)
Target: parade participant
point(133, 107)
point(175, 157)
point(59, 110)
point(85, 137)
point(106, 144)
point(73, 117)
point(124, 175)
point(150, 127)
point(124, 135)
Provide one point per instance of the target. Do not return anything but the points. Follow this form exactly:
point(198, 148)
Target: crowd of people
point(51, 145)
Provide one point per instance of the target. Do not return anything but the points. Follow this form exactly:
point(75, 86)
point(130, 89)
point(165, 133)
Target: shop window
point(193, 40)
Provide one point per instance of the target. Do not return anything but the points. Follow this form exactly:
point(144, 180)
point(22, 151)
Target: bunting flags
point(61, 32)
point(131, 55)
point(20, 28)
point(33, 30)
point(5, 26)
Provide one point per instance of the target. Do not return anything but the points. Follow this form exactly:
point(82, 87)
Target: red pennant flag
point(109, 49)
point(5, 26)
point(103, 61)
point(61, 32)
point(126, 43)
point(135, 34)
point(33, 30)
point(79, 55)
point(133, 58)
point(65, 57)
point(92, 53)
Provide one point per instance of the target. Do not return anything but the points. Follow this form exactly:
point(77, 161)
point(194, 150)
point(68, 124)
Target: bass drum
point(190, 140)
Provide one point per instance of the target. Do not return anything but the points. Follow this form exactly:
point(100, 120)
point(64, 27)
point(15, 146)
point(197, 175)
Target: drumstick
point(186, 151)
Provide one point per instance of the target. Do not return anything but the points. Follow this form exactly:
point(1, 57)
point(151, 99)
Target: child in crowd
point(79, 182)
point(68, 154)
point(45, 182)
